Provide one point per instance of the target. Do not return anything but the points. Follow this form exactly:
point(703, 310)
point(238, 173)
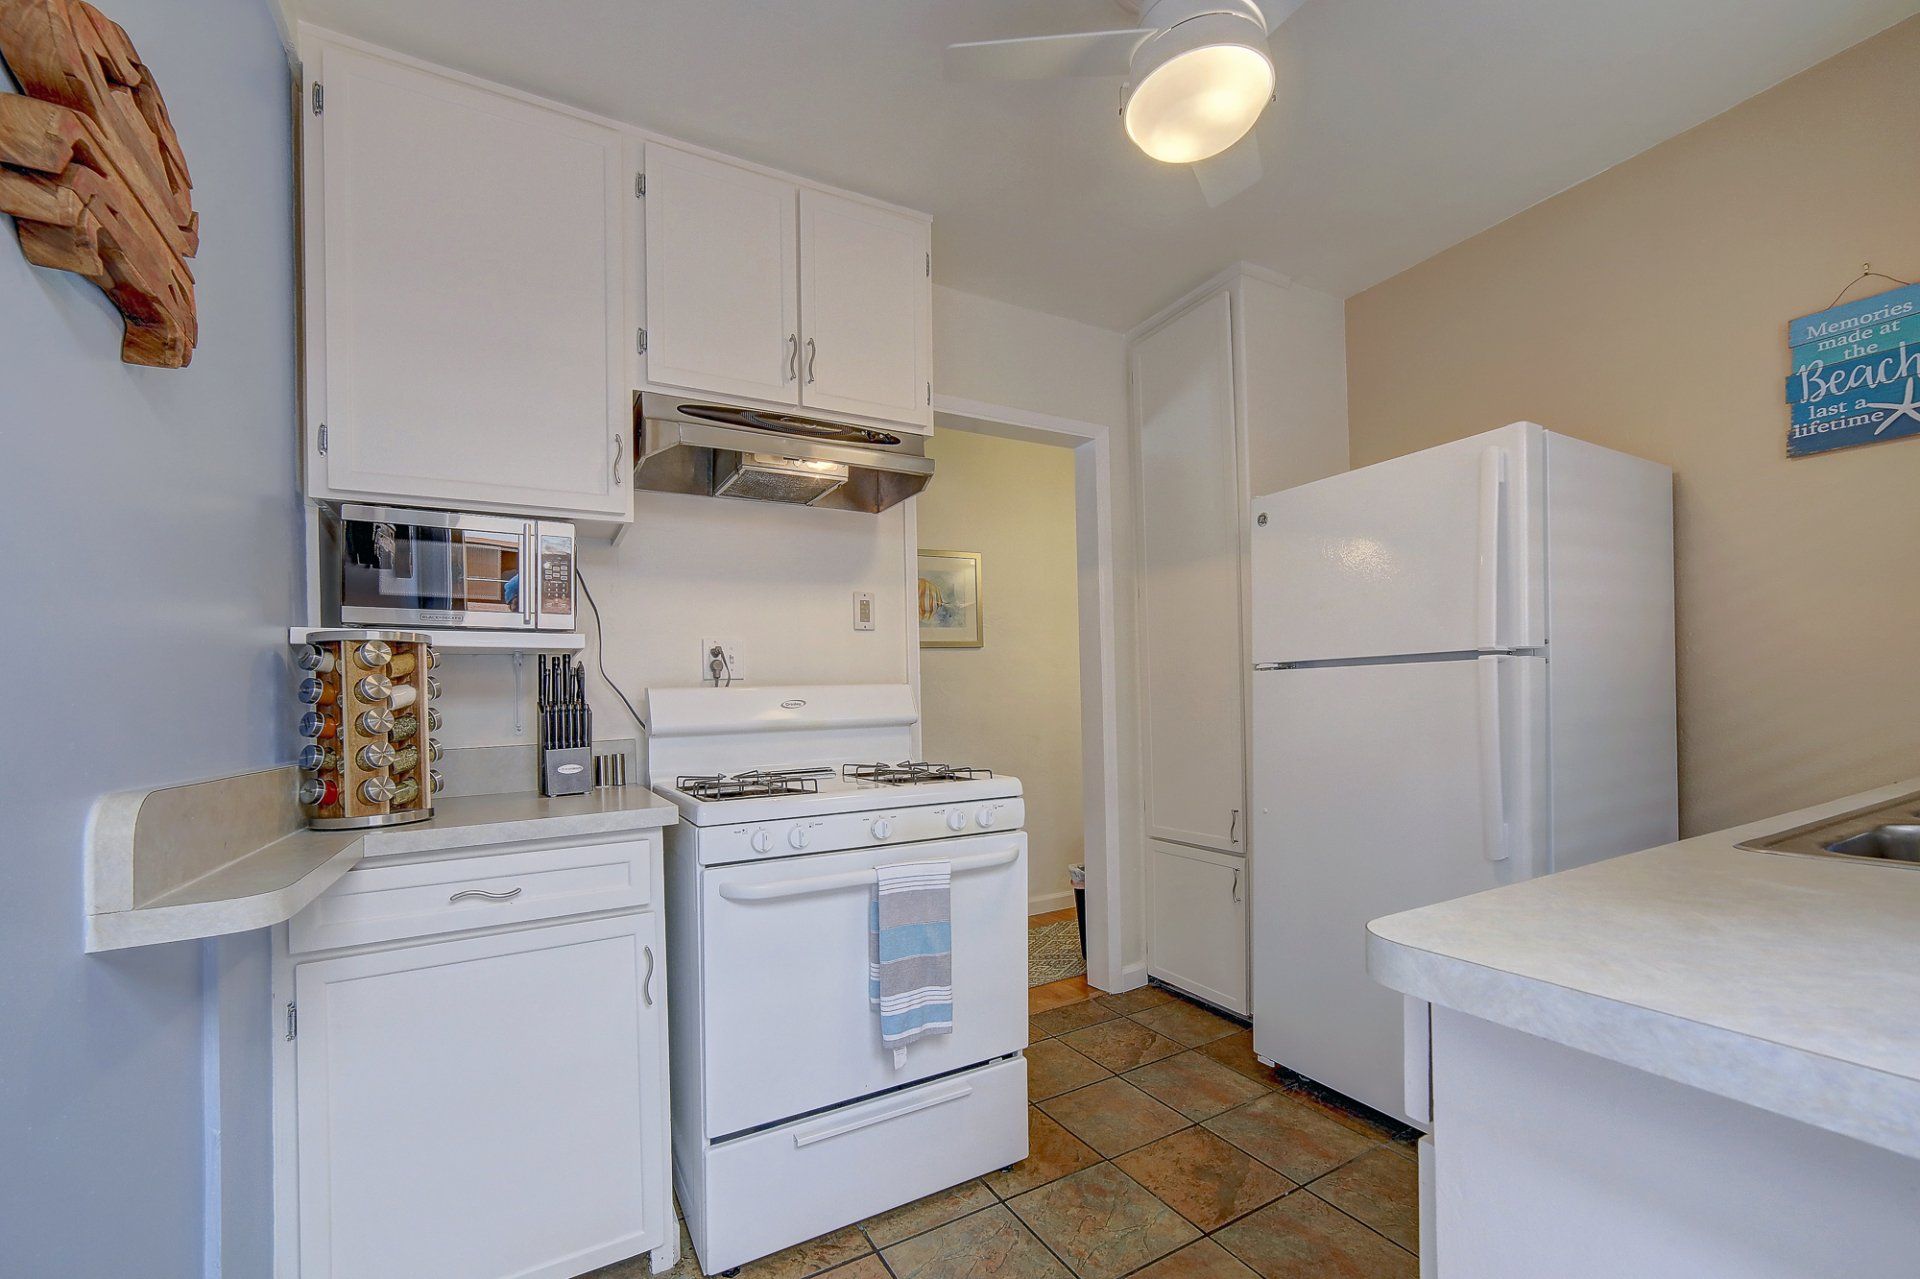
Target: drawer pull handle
point(483, 895)
point(803, 1139)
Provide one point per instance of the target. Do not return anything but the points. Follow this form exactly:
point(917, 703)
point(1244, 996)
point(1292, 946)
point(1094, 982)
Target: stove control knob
point(762, 841)
point(882, 828)
point(956, 820)
point(984, 818)
point(797, 837)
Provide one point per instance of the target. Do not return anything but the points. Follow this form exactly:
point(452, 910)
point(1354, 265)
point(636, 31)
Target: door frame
point(1092, 444)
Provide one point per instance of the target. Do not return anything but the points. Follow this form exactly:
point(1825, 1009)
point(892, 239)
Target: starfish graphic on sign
point(1909, 407)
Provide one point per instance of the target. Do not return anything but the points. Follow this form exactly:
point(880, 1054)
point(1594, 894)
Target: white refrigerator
point(1463, 677)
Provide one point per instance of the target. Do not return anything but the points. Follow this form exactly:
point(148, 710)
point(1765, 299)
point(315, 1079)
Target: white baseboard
point(1132, 977)
point(1046, 902)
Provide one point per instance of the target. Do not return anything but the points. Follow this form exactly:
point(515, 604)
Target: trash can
point(1077, 876)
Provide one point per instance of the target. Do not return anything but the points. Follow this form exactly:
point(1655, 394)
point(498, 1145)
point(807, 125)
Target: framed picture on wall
point(952, 600)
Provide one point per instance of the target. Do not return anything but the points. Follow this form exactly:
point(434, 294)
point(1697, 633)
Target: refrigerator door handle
point(1493, 760)
point(1493, 500)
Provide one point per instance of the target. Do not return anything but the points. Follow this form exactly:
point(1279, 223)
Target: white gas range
point(790, 1116)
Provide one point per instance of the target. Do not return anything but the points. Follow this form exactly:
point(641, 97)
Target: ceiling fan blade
point(1079, 53)
point(1278, 11)
point(1234, 170)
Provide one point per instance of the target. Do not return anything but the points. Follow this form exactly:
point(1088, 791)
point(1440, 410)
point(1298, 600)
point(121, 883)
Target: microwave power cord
point(600, 650)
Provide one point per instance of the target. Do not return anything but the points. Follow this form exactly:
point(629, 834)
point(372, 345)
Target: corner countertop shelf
point(1788, 983)
point(475, 641)
point(233, 854)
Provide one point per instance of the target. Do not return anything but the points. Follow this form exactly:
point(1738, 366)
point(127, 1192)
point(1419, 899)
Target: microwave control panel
point(556, 575)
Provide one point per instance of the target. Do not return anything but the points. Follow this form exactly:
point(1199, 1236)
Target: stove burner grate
point(758, 783)
point(912, 773)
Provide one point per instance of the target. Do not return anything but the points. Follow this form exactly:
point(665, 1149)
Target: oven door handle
point(775, 889)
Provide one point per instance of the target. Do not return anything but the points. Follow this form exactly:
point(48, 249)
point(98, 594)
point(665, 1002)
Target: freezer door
point(1435, 552)
point(1378, 789)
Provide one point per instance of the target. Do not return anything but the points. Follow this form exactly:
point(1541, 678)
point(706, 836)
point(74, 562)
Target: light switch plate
point(863, 610)
point(731, 671)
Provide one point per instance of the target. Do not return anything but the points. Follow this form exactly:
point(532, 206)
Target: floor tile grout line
point(1355, 1220)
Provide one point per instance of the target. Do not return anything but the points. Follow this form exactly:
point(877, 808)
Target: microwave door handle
point(529, 545)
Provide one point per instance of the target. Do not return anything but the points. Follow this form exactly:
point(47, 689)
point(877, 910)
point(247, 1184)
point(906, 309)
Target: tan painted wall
point(1646, 310)
point(1013, 705)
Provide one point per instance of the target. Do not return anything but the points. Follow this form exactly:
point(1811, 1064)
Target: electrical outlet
point(730, 671)
point(863, 610)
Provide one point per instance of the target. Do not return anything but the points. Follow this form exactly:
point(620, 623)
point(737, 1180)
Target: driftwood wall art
point(93, 175)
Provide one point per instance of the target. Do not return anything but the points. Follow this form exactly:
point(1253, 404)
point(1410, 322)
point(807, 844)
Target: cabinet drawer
point(802, 1179)
point(376, 903)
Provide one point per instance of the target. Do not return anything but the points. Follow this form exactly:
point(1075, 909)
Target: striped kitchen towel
point(910, 953)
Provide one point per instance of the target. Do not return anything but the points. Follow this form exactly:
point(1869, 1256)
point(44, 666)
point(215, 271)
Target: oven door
point(787, 1026)
point(435, 568)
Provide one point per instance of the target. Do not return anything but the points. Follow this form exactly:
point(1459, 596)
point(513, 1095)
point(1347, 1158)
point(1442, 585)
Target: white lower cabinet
point(480, 1106)
point(1197, 922)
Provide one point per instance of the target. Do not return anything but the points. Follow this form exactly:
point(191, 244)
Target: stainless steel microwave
point(392, 566)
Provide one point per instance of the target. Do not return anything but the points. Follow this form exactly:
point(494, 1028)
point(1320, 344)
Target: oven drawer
point(376, 903)
point(788, 1184)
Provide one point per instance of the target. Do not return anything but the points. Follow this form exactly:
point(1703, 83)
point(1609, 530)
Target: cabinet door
point(1192, 659)
point(467, 332)
point(866, 306)
point(1197, 916)
point(723, 280)
point(482, 1107)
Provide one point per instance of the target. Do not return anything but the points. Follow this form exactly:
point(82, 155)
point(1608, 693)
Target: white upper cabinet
point(763, 290)
point(467, 336)
point(722, 278)
point(866, 299)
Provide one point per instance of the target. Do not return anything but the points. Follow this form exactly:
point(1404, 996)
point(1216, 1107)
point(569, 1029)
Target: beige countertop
point(1789, 983)
point(221, 856)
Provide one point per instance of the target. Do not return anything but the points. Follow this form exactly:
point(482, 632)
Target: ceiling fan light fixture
point(1200, 87)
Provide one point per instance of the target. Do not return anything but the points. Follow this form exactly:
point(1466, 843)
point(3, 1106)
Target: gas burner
point(755, 784)
point(911, 773)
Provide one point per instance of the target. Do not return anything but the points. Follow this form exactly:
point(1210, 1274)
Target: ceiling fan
point(1198, 77)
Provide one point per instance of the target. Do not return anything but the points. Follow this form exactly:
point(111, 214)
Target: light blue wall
point(148, 564)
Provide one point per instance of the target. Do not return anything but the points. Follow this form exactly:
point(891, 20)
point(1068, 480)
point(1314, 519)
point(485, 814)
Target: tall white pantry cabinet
point(1238, 388)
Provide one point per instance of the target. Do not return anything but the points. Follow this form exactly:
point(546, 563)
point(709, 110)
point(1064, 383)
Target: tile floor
point(1160, 1148)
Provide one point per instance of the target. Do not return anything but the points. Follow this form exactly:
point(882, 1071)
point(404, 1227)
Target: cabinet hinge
point(640, 341)
point(319, 98)
point(323, 439)
point(929, 392)
point(929, 266)
point(639, 186)
point(293, 1020)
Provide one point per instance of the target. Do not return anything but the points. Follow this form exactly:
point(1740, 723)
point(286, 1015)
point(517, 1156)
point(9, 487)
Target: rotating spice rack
point(371, 726)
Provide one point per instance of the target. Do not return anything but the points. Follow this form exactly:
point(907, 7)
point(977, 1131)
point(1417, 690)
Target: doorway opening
point(1031, 494)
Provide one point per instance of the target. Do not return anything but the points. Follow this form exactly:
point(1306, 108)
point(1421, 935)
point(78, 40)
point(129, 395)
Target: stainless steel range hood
point(711, 449)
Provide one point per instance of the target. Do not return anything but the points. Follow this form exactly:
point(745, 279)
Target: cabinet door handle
point(1233, 828)
point(811, 352)
point(482, 894)
point(793, 357)
point(618, 479)
point(1236, 883)
point(646, 983)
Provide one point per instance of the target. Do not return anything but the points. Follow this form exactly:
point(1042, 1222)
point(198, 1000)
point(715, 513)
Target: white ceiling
point(1402, 126)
